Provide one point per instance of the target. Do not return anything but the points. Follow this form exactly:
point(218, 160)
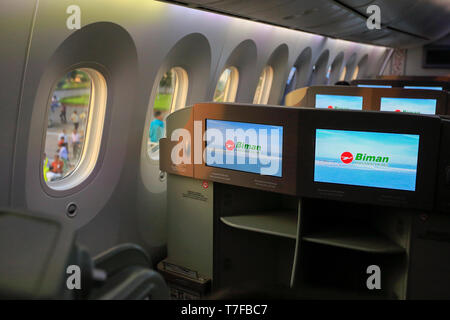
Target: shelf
point(278, 223)
point(360, 240)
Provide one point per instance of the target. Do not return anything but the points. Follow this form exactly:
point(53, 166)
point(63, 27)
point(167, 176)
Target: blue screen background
point(373, 86)
point(426, 88)
point(399, 173)
point(422, 106)
point(268, 154)
point(339, 102)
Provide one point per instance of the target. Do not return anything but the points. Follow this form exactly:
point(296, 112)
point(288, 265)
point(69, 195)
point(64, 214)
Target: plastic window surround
point(180, 89)
point(93, 135)
point(343, 73)
point(231, 85)
point(179, 96)
point(264, 85)
point(355, 73)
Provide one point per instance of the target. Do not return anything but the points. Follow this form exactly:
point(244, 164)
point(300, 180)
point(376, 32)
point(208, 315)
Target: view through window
point(222, 86)
point(264, 85)
point(67, 124)
point(343, 73)
point(227, 86)
point(161, 108)
point(355, 73)
point(290, 83)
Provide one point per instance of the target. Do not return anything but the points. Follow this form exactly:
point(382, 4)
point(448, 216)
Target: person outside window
point(156, 127)
point(64, 156)
point(56, 169)
point(55, 103)
point(83, 119)
point(61, 141)
point(75, 119)
point(62, 114)
point(75, 143)
point(46, 167)
point(63, 134)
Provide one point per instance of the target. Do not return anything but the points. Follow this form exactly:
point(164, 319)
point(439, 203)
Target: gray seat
point(129, 275)
point(35, 252)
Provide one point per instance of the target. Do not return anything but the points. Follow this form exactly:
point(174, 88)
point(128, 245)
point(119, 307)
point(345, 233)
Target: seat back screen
point(242, 146)
point(366, 159)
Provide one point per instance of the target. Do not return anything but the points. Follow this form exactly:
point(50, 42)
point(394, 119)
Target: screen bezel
point(282, 138)
point(264, 115)
point(427, 127)
point(365, 93)
point(435, 106)
point(340, 95)
point(372, 96)
point(439, 96)
point(360, 185)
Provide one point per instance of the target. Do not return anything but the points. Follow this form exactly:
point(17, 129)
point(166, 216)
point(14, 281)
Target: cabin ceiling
point(404, 23)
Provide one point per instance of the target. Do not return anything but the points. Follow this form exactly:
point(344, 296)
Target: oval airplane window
point(227, 85)
point(343, 73)
point(291, 82)
point(76, 114)
point(264, 85)
point(170, 96)
point(355, 73)
point(328, 74)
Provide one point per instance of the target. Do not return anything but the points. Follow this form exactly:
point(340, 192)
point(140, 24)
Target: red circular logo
point(346, 157)
point(229, 145)
point(205, 184)
point(330, 107)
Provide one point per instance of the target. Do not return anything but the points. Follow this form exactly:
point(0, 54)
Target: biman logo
point(229, 145)
point(247, 146)
point(337, 108)
point(347, 157)
point(399, 110)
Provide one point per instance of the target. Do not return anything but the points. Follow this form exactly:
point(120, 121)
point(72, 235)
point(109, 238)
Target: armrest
point(134, 283)
point(120, 257)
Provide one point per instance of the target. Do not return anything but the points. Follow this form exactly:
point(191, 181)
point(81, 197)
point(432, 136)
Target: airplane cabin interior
point(218, 150)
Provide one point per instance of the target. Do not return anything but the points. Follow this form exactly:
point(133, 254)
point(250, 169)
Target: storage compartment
point(320, 248)
point(340, 273)
point(339, 241)
point(255, 236)
point(252, 259)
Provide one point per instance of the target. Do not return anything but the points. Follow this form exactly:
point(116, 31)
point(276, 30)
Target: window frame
point(266, 86)
point(328, 73)
point(343, 73)
point(231, 85)
point(93, 137)
point(179, 97)
point(355, 72)
point(180, 90)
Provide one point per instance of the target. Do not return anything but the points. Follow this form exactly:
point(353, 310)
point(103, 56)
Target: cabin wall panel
point(122, 208)
point(16, 20)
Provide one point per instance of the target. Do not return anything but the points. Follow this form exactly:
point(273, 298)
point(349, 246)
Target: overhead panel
point(404, 23)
